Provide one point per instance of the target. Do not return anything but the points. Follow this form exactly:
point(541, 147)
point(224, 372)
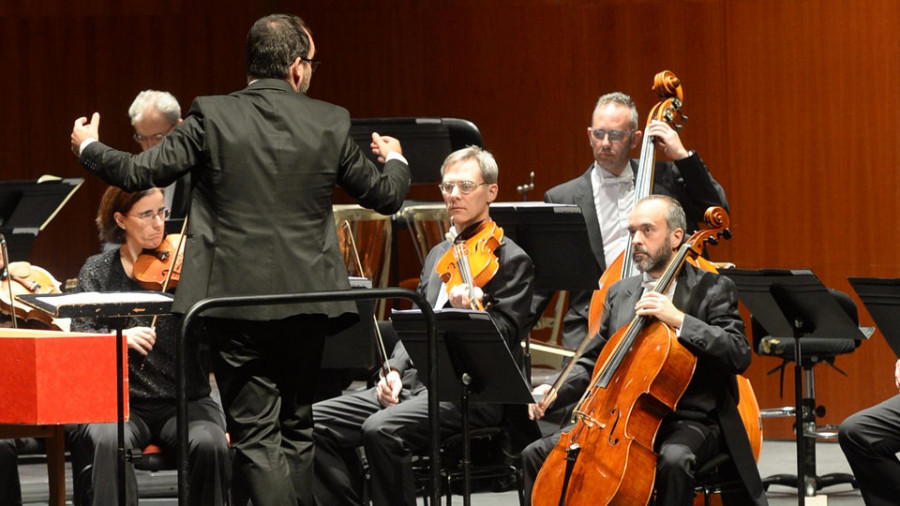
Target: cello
point(641, 373)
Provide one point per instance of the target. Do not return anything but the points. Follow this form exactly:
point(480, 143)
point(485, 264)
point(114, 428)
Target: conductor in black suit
point(605, 192)
point(264, 162)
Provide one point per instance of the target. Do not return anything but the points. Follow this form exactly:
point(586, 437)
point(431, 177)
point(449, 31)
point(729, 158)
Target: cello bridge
point(589, 420)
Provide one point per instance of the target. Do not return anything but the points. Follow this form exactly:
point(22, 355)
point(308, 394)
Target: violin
point(23, 278)
point(160, 269)
point(472, 259)
point(641, 373)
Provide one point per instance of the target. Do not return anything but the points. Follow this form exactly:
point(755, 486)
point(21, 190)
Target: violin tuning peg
point(713, 241)
point(726, 233)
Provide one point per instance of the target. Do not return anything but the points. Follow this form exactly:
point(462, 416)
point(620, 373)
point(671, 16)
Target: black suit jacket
point(512, 289)
point(264, 162)
point(687, 180)
point(714, 332)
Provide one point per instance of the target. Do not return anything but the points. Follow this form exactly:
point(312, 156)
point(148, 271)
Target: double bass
point(642, 372)
point(668, 87)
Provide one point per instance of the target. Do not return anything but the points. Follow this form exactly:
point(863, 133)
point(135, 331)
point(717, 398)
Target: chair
point(710, 480)
point(813, 351)
point(491, 460)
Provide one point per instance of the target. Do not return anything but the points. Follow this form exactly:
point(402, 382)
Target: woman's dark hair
point(116, 200)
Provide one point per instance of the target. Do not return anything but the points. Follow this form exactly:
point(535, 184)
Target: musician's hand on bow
point(459, 296)
point(537, 410)
point(667, 140)
point(141, 339)
point(388, 389)
point(84, 130)
point(660, 307)
point(382, 145)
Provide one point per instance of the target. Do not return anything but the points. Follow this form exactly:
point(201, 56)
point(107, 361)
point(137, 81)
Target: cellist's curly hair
point(116, 200)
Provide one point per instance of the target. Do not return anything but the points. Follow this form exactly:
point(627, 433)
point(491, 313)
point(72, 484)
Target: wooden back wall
point(791, 104)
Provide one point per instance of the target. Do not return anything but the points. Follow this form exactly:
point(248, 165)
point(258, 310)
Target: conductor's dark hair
point(273, 43)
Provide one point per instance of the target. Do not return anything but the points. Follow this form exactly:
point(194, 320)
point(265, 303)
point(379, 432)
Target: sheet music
point(104, 298)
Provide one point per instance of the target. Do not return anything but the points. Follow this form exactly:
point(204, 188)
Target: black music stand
point(793, 304)
point(555, 237)
point(474, 364)
point(882, 299)
point(116, 308)
point(26, 207)
point(426, 141)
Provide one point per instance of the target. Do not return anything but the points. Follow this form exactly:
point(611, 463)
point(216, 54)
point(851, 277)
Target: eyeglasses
point(465, 187)
point(162, 213)
point(313, 62)
point(155, 138)
point(614, 135)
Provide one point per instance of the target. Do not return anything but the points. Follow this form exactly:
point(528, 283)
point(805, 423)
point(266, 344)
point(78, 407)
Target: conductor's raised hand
point(382, 145)
point(84, 130)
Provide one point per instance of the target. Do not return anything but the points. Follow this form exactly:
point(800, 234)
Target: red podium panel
point(49, 377)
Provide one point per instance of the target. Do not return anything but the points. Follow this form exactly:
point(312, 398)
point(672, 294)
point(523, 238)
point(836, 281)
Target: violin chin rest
point(20, 269)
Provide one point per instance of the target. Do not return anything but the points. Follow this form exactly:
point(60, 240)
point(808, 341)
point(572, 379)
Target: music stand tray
point(26, 207)
point(882, 299)
point(555, 237)
point(468, 343)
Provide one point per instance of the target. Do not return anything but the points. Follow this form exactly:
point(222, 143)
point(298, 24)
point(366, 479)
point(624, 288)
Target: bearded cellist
point(701, 308)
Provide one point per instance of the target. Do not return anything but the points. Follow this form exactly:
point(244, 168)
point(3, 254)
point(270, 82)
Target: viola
point(24, 278)
point(160, 269)
point(641, 373)
point(472, 260)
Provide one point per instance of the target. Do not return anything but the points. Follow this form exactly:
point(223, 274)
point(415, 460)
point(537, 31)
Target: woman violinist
point(136, 222)
point(390, 420)
point(701, 311)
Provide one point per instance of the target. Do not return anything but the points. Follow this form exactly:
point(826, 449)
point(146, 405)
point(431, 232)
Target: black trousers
point(10, 491)
point(389, 437)
point(870, 440)
point(266, 373)
point(156, 422)
point(681, 445)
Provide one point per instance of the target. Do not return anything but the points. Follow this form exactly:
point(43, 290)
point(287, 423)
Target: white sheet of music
point(105, 297)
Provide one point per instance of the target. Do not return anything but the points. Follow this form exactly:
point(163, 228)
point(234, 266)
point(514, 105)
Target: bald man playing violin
point(390, 421)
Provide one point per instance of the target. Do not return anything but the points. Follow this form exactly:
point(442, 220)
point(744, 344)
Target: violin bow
point(165, 285)
point(8, 277)
point(379, 340)
point(168, 278)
